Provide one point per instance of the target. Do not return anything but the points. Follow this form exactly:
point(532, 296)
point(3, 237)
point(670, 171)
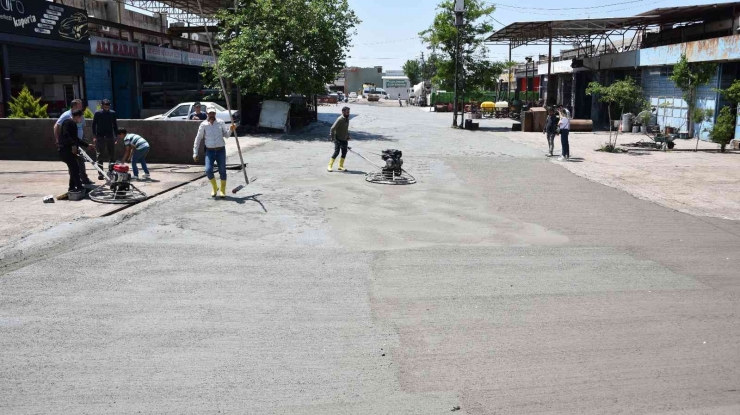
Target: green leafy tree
point(442, 35)
point(291, 46)
point(724, 128)
point(88, 114)
point(412, 70)
point(689, 77)
point(26, 106)
point(732, 93)
point(623, 95)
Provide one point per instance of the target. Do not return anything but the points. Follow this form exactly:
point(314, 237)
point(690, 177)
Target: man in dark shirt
point(105, 128)
point(197, 115)
point(68, 146)
point(551, 128)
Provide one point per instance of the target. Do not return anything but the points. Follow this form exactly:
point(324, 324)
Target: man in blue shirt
point(197, 115)
point(76, 105)
point(136, 150)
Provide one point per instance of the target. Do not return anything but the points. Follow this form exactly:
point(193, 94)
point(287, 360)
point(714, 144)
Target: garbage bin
point(626, 122)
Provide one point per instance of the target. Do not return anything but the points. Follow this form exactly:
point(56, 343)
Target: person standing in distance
point(551, 127)
point(564, 125)
point(105, 129)
point(197, 115)
point(339, 133)
point(76, 104)
point(214, 131)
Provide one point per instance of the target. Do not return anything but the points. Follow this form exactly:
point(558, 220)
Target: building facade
point(95, 51)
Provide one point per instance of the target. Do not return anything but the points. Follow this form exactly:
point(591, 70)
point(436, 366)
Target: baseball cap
point(211, 109)
point(105, 102)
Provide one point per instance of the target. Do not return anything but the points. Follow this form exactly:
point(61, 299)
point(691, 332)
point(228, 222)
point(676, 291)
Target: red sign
point(115, 48)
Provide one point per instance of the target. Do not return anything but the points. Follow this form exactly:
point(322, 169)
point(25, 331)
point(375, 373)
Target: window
point(181, 111)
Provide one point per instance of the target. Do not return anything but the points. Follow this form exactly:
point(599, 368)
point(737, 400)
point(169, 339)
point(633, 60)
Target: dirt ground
point(703, 183)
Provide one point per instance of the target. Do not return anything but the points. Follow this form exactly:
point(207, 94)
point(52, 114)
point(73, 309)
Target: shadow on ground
point(244, 199)
point(495, 129)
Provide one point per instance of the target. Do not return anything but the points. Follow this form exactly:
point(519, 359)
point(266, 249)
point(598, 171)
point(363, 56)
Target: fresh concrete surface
point(703, 183)
point(500, 283)
point(23, 185)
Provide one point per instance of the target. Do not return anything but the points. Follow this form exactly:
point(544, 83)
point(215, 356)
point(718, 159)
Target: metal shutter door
point(44, 62)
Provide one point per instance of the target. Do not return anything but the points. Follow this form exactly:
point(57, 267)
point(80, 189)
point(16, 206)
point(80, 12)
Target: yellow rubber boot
point(341, 165)
point(222, 192)
point(331, 165)
point(215, 187)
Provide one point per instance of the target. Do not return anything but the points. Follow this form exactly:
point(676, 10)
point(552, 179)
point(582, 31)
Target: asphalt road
point(500, 283)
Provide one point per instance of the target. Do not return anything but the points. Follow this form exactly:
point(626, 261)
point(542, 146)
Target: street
point(499, 283)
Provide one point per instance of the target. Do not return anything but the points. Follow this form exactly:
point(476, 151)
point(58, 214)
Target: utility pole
point(423, 83)
point(459, 11)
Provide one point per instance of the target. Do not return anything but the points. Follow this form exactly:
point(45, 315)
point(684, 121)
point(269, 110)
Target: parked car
point(181, 111)
point(353, 95)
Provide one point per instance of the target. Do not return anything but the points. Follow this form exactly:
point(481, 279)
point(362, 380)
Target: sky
point(388, 34)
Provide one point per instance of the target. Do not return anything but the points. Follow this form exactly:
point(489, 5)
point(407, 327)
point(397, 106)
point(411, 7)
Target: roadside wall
point(33, 139)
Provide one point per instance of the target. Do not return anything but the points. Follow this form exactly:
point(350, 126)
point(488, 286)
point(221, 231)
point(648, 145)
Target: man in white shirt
point(564, 131)
point(214, 130)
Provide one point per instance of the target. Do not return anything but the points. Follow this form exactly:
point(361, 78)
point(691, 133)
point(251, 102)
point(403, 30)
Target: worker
point(214, 131)
point(76, 104)
point(136, 150)
point(105, 127)
point(197, 115)
point(68, 146)
point(551, 128)
point(339, 133)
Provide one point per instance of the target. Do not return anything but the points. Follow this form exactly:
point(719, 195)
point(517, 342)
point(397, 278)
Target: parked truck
point(419, 93)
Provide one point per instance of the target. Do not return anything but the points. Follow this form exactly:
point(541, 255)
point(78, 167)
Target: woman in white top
point(564, 131)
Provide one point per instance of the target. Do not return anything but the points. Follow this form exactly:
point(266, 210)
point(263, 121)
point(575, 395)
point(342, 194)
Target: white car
point(353, 95)
point(181, 112)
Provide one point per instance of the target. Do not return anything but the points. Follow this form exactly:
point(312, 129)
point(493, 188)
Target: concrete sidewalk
point(703, 183)
point(23, 185)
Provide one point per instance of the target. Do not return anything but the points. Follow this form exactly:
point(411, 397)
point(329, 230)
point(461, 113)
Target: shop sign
point(196, 59)
point(43, 19)
point(396, 83)
point(114, 48)
point(165, 55)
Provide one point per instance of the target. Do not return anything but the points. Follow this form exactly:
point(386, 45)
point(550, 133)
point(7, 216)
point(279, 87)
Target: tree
point(26, 106)
point(732, 93)
point(623, 94)
point(689, 77)
point(88, 114)
point(291, 46)
point(478, 71)
point(412, 70)
point(724, 128)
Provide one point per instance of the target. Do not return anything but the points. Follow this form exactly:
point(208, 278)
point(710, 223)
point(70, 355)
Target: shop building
point(43, 47)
